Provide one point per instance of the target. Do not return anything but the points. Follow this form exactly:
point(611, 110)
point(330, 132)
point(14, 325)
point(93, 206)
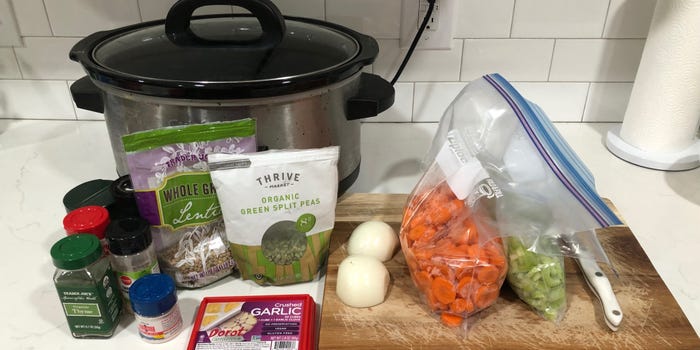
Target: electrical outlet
point(9, 35)
point(438, 32)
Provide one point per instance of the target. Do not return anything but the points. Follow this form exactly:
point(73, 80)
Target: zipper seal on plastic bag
point(558, 155)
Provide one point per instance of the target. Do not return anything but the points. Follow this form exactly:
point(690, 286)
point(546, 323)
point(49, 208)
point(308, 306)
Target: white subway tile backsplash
point(606, 60)
point(154, 9)
point(607, 102)
point(431, 100)
point(424, 65)
point(47, 58)
point(391, 156)
point(84, 17)
point(35, 99)
point(388, 59)
point(8, 64)
point(562, 54)
point(401, 110)
point(302, 8)
point(484, 19)
point(515, 59)
point(82, 114)
point(562, 102)
point(31, 18)
point(559, 18)
point(158, 9)
point(629, 18)
point(375, 18)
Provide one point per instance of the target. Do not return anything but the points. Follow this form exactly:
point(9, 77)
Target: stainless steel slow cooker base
point(311, 119)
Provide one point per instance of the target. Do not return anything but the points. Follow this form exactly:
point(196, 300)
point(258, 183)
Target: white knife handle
point(600, 285)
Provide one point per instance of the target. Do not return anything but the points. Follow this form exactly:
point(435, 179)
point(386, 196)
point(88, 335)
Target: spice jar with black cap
point(124, 200)
point(132, 252)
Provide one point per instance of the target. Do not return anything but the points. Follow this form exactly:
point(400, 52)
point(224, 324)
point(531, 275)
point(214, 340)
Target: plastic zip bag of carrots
point(456, 261)
point(454, 252)
point(498, 174)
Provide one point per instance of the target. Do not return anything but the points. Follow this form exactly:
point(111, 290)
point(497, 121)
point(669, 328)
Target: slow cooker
point(301, 79)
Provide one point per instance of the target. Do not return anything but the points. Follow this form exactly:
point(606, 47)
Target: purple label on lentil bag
point(170, 175)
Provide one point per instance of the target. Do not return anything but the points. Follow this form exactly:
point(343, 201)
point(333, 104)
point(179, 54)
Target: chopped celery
point(537, 279)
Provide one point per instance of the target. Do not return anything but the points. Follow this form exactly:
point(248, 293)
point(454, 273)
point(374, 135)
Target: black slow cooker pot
point(301, 79)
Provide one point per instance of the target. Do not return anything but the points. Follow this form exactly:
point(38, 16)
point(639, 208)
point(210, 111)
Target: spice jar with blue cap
point(154, 301)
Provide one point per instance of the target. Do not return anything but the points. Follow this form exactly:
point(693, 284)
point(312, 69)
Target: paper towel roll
point(663, 114)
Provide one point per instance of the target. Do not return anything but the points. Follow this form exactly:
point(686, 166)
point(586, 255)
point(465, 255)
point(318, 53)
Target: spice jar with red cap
point(92, 219)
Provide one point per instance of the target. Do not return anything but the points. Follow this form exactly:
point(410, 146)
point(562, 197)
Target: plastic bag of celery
point(537, 279)
point(546, 194)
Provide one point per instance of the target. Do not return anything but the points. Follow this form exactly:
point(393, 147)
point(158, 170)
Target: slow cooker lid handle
point(177, 23)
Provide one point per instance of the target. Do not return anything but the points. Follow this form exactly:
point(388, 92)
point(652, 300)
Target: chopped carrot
point(423, 279)
point(434, 304)
point(458, 306)
point(443, 271)
point(440, 215)
point(451, 320)
point(464, 270)
point(456, 260)
point(443, 290)
point(423, 254)
point(427, 235)
point(463, 286)
point(473, 251)
point(469, 306)
point(485, 296)
point(487, 274)
point(416, 232)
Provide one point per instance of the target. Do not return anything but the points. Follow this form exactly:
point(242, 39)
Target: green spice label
point(91, 309)
point(79, 309)
point(187, 199)
point(126, 279)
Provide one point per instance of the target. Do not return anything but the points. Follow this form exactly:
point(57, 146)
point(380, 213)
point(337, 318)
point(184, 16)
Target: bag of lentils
point(174, 192)
point(279, 210)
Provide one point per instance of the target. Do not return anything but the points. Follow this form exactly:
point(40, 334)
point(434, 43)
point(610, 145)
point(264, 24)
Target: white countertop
point(42, 160)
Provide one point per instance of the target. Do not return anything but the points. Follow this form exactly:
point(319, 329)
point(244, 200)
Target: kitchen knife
point(600, 285)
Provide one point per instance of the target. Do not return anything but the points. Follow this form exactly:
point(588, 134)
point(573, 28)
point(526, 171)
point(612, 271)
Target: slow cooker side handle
point(375, 95)
point(87, 95)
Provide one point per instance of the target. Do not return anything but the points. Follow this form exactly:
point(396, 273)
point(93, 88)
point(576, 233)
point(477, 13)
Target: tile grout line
point(138, 9)
point(605, 19)
point(75, 108)
point(585, 102)
point(551, 60)
point(461, 60)
point(48, 18)
point(19, 67)
point(413, 101)
point(512, 19)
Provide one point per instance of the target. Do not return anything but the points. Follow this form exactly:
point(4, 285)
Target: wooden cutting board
point(652, 317)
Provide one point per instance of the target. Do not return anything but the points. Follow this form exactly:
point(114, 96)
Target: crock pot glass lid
point(305, 49)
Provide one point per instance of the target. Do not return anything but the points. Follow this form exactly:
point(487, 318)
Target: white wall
point(576, 58)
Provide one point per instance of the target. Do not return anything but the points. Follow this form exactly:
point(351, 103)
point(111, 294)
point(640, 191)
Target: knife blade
point(600, 285)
